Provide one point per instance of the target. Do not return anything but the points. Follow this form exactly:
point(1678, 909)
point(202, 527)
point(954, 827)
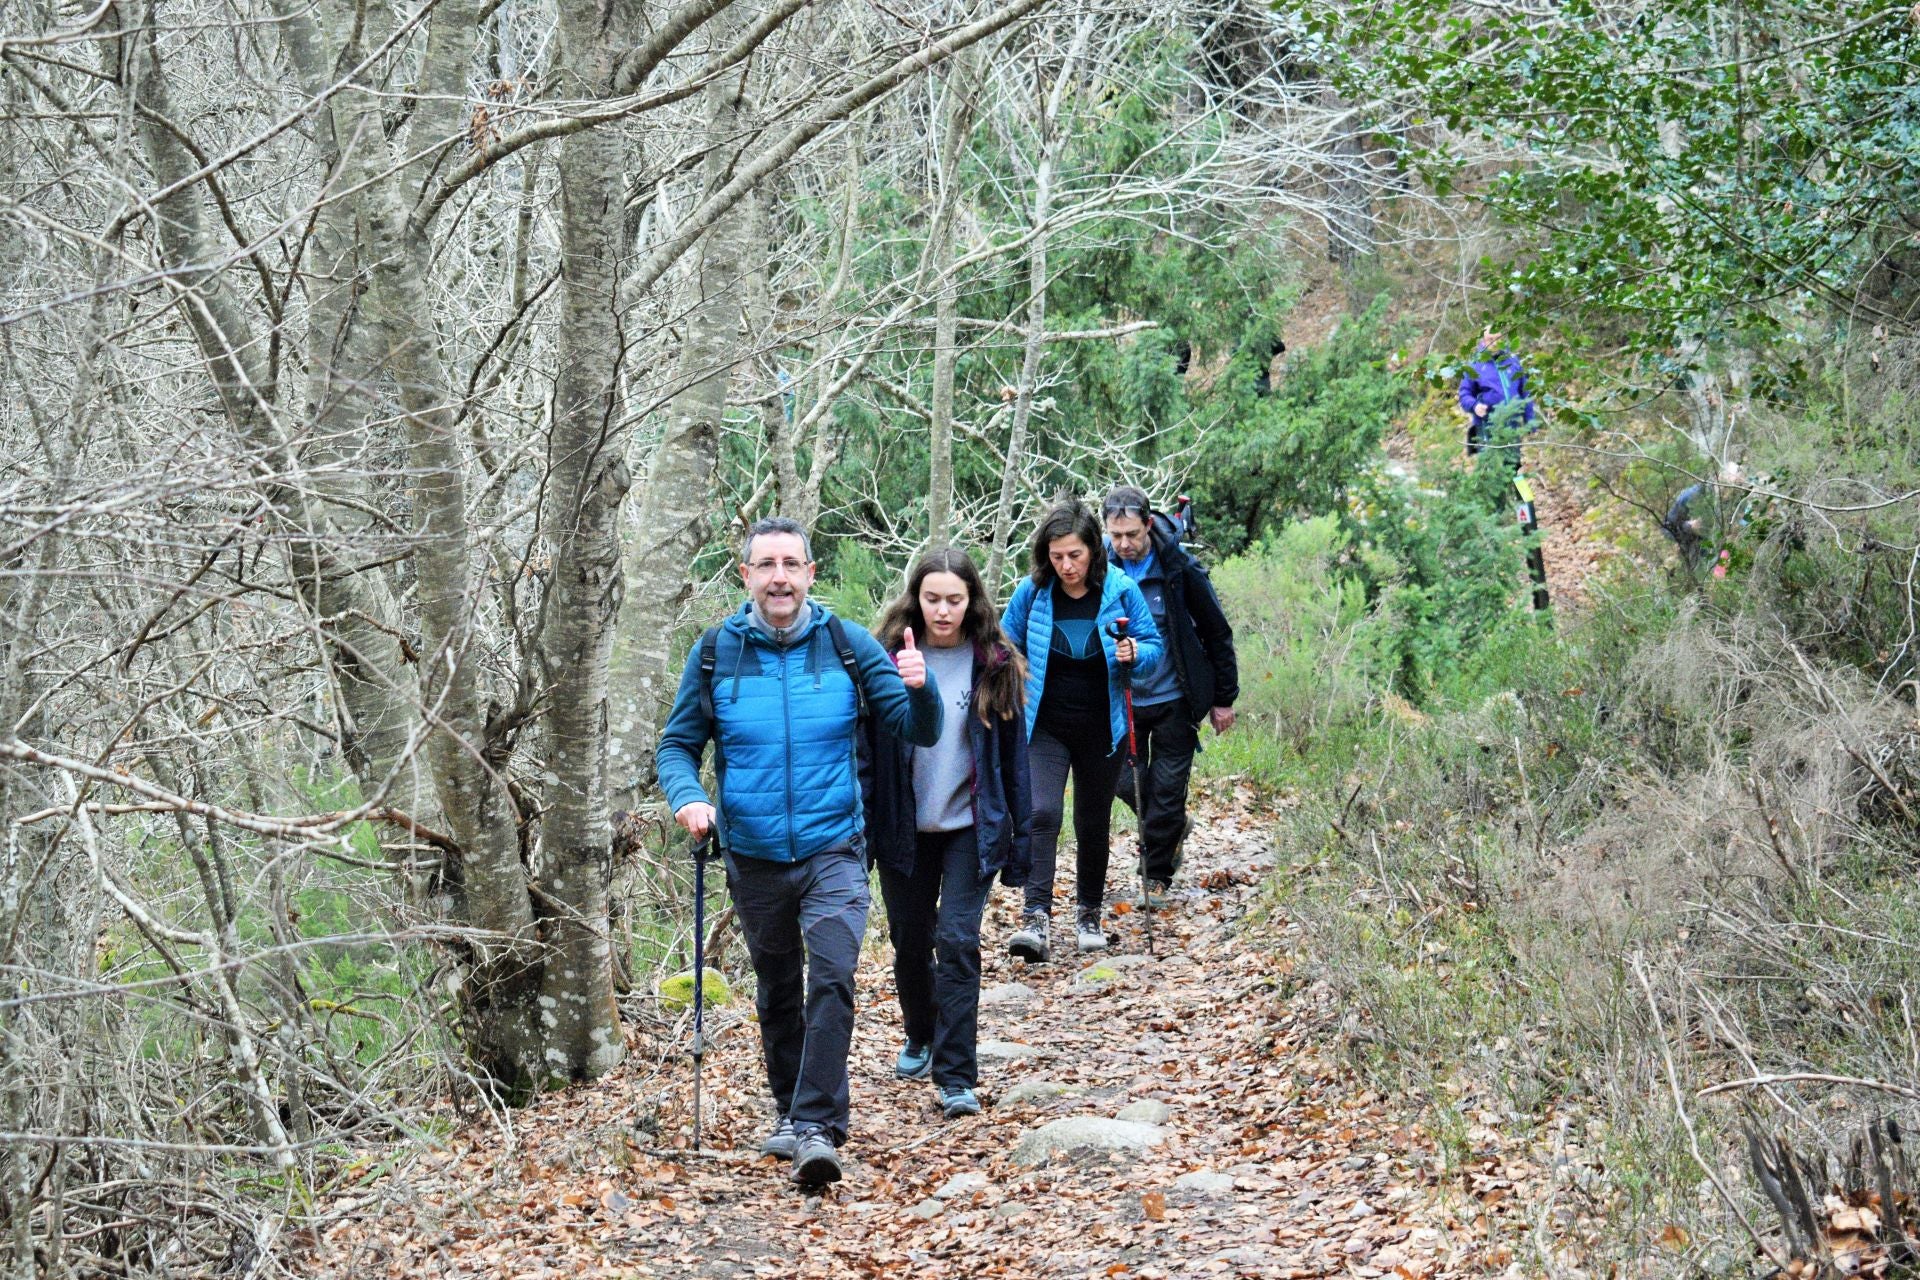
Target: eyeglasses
point(792, 568)
point(1130, 512)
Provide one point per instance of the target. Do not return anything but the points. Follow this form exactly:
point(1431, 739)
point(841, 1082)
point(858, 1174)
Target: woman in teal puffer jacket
point(1061, 619)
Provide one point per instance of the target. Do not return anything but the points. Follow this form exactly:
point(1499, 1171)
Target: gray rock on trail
point(1146, 1111)
point(1084, 1133)
point(1015, 993)
point(962, 1184)
point(1005, 1051)
point(927, 1210)
point(1030, 1091)
point(1128, 960)
point(1204, 1182)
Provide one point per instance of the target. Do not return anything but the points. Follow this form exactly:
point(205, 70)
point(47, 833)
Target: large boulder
point(1077, 1134)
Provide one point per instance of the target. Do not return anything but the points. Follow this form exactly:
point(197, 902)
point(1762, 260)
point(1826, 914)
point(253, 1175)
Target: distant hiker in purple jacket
point(1494, 380)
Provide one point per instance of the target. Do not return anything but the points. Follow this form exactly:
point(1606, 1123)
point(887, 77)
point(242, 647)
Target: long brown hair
point(1069, 518)
point(1001, 691)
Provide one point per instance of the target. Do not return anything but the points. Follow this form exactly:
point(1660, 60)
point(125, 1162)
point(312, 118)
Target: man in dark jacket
point(778, 689)
point(1200, 681)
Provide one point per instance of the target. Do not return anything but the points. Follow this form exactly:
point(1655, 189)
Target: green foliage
point(854, 582)
point(1492, 883)
point(1301, 631)
point(1298, 451)
point(1694, 171)
point(1444, 564)
point(1210, 287)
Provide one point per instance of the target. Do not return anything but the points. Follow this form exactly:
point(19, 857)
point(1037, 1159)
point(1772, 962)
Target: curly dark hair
point(1001, 693)
point(1070, 518)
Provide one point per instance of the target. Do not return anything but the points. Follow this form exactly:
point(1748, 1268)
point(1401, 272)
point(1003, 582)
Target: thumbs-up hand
point(912, 663)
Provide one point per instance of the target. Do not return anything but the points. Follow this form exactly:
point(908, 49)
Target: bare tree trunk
point(375, 682)
point(776, 415)
point(1350, 229)
point(220, 940)
point(675, 509)
point(487, 882)
point(800, 499)
point(489, 885)
point(957, 124)
point(1051, 142)
point(15, 1070)
point(587, 479)
point(378, 691)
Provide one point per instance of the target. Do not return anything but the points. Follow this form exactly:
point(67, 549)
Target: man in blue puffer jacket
point(773, 688)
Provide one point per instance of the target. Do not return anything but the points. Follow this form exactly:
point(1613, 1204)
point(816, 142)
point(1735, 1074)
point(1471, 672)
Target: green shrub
point(1301, 629)
point(1443, 558)
point(1299, 451)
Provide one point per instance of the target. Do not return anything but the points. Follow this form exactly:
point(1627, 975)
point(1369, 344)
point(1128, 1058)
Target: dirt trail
point(1315, 1175)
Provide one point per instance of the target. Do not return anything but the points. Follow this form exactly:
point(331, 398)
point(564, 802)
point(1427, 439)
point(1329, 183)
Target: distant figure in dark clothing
point(1697, 521)
point(1198, 682)
point(1686, 524)
point(1263, 377)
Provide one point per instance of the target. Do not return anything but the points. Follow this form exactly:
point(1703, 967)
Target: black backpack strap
point(709, 659)
point(837, 632)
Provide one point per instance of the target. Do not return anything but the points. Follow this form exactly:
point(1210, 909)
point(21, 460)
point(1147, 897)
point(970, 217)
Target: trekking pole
point(702, 849)
point(1527, 510)
point(1118, 630)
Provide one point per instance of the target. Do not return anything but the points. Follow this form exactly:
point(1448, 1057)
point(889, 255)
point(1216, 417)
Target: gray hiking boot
point(781, 1141)
point(1029, 943)
point(1087, 933)
point(815, 1162)
point(1159, 894)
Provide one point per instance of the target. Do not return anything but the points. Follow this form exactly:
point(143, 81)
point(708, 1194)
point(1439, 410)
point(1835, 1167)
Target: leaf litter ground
point(1313, 1173)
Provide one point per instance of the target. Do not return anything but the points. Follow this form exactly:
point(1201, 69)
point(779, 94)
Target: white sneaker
point(1087, 933)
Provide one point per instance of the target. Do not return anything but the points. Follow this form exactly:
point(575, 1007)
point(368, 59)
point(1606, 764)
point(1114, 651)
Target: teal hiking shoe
point(914, 1063)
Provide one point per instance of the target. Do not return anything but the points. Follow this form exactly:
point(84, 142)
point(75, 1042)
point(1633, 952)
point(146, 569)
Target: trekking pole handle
point(1118, 630)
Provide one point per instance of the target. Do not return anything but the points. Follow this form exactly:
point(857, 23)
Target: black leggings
point(1095, 770)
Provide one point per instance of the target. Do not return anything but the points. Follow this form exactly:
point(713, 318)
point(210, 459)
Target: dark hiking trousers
point(803, 922)
point(1094, 769)
point(933, 918)
point(1167, 740)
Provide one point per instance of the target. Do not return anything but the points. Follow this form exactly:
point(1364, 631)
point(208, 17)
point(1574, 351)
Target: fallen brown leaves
point(1310, 1173)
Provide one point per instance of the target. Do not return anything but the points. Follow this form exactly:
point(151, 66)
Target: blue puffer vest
point(1028, 622)
point(784, 725)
